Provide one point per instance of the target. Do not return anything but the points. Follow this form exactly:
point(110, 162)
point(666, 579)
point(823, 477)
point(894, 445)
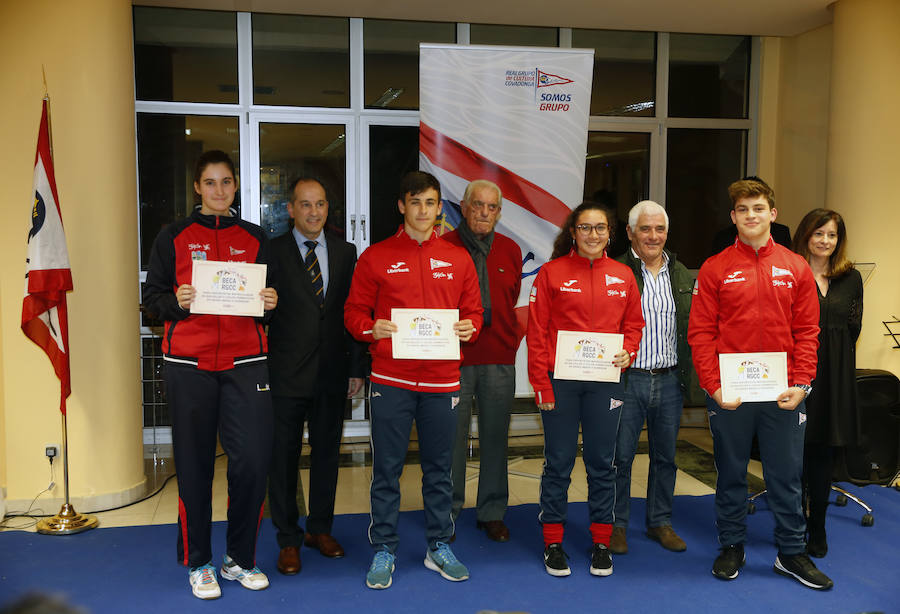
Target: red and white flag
point(47, 273)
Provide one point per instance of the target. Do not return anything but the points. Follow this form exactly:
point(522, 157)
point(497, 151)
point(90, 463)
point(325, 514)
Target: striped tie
point(315, 273)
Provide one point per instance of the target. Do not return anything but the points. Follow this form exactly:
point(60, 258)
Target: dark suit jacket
point(310, 351)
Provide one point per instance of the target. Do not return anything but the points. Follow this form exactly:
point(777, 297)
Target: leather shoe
point(289, 561)
point(495, 530)
point(618, 543)
point(667, 537)
point(324, 543)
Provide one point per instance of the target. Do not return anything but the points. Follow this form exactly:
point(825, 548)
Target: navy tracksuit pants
point(237, 405)
point(596, 407)
point(393, 411)
point(781, 434)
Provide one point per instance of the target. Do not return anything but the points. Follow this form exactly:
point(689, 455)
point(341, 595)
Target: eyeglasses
point(586, 229)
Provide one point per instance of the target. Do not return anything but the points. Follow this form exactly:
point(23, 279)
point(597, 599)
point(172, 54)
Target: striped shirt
point(657, 349)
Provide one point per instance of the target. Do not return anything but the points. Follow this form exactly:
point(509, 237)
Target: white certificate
point(228, 288)
point(425, 334)
point(758, 376)
point(587, 356)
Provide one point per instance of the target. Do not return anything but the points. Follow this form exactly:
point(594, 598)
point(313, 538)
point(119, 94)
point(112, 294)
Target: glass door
point(285, 148)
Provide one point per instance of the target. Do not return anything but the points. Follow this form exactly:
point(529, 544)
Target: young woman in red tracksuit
point(580, 289)
point(217, 380)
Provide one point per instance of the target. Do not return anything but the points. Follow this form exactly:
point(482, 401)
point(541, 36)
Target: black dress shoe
point(495, 530)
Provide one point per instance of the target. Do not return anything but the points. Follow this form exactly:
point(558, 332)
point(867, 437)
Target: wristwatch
point(806, 388)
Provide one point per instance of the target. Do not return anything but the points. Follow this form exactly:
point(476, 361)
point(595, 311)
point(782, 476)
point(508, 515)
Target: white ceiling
point(751, 17)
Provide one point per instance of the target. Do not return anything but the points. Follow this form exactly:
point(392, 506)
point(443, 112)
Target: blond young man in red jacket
point(758, 296)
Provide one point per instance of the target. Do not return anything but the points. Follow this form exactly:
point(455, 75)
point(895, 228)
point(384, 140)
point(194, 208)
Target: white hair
point(482, 183)
point(647, 207)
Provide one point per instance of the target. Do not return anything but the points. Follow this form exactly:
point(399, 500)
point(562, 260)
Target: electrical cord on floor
point(34, 517)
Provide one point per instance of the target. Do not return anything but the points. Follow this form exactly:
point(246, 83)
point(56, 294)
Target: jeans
point(494, 387)
point(658, 400)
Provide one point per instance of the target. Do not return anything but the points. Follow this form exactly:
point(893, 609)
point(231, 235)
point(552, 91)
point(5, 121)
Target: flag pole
point(67, 521)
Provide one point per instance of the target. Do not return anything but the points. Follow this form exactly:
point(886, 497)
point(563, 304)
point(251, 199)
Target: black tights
point(818, 463)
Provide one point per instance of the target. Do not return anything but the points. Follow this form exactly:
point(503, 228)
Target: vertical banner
point(518, 117)
point(47, 273)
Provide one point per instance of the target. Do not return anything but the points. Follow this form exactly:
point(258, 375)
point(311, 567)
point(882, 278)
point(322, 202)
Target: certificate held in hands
point(228, 288)
point(587, 356)
point(425, 334)
point(754, 377)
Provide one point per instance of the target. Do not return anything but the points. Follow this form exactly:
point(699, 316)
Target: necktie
point(315, 273)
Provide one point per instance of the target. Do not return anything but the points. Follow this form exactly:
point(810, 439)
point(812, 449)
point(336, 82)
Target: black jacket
point(310, 351)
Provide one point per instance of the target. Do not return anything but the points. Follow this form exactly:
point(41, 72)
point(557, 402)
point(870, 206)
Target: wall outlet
point(51, 451)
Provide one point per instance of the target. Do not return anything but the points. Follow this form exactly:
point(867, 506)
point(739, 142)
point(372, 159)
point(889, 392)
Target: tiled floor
point(353, 480)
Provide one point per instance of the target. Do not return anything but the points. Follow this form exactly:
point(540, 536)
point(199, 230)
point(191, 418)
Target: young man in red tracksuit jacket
point(413, 269)
point(758, 296)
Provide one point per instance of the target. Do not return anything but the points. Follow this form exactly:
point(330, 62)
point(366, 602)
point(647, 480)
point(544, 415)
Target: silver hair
point(483, 183)
point(647, 207)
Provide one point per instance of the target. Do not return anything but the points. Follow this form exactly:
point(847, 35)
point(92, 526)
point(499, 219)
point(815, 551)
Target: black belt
point(660, 371)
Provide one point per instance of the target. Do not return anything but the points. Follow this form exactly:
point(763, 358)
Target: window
point(624, 71)
point(708, 75)
point(301, 61)
point(185, 56)
point(524, 36)
point(391, 60)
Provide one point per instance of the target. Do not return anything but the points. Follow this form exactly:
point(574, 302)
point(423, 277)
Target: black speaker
point(877, 459)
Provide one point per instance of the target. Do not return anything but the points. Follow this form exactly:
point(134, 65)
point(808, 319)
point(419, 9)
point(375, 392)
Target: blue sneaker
point(443, 561)
point(380, 571)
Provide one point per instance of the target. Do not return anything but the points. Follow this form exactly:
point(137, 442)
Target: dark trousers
point(324, 417)
point(393, 411)
point(494, 386)
point(818, 467)
point(596, 407)
point(780, 434)
point(236, 404)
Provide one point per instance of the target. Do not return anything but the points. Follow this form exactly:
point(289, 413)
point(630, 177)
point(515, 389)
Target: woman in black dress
point(832, 417)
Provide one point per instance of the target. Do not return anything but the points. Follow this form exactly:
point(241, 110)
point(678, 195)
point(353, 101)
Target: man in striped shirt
point(658, 377)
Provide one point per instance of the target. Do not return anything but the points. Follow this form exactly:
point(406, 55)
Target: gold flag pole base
point(67, 522)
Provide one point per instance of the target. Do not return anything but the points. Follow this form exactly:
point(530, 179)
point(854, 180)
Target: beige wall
point(863, 158)
point(828, 138)
point(85, 48)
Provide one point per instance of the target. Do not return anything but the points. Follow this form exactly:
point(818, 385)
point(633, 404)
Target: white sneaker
point(203, 582)
point(253, 579)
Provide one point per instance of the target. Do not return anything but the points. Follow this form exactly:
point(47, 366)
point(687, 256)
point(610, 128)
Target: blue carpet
point(132, 569)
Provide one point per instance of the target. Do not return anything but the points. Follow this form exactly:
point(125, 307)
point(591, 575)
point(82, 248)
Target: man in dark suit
point(314, 367)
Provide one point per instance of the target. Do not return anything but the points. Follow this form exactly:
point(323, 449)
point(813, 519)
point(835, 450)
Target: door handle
point(353, 227)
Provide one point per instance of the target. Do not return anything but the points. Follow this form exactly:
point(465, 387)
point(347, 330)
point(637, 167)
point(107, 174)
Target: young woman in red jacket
point(217, 380)
point(580, 289)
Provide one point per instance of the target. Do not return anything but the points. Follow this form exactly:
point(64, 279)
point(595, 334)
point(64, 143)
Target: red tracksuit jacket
point(573, 293)
point(746, 301)
point(210, 342)
point(399, 272)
